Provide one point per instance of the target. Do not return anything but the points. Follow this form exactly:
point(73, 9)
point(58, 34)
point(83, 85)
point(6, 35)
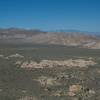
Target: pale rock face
point(93, 45)
point(71, 94)
point(47, 81)
point(92, 92)
point(73, 89)
point(16, 56)
point(54, 63)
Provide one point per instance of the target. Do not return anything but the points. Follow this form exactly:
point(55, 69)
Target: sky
point(51, 15)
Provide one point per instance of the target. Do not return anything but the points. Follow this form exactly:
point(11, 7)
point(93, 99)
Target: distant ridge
point(76, 31)
point(61, 37)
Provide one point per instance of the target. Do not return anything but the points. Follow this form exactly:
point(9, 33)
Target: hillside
point(20, 36)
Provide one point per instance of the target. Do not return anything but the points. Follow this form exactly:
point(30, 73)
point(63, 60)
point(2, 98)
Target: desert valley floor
point(49, 73)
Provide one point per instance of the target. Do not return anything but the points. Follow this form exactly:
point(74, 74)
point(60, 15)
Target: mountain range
point(60, 37)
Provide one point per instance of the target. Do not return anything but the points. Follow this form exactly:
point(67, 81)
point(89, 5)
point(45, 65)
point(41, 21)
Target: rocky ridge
point(20, 36)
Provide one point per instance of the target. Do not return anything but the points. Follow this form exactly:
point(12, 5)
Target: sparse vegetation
point(56, 83)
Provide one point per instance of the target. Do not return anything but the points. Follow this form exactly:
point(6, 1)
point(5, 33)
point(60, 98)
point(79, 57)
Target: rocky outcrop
point(74, 89)
point(92, 45)
point(54, 63)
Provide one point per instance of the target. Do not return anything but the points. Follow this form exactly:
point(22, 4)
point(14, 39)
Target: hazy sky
point(51, 14)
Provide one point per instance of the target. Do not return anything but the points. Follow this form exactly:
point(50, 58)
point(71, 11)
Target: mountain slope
point(14, 35)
